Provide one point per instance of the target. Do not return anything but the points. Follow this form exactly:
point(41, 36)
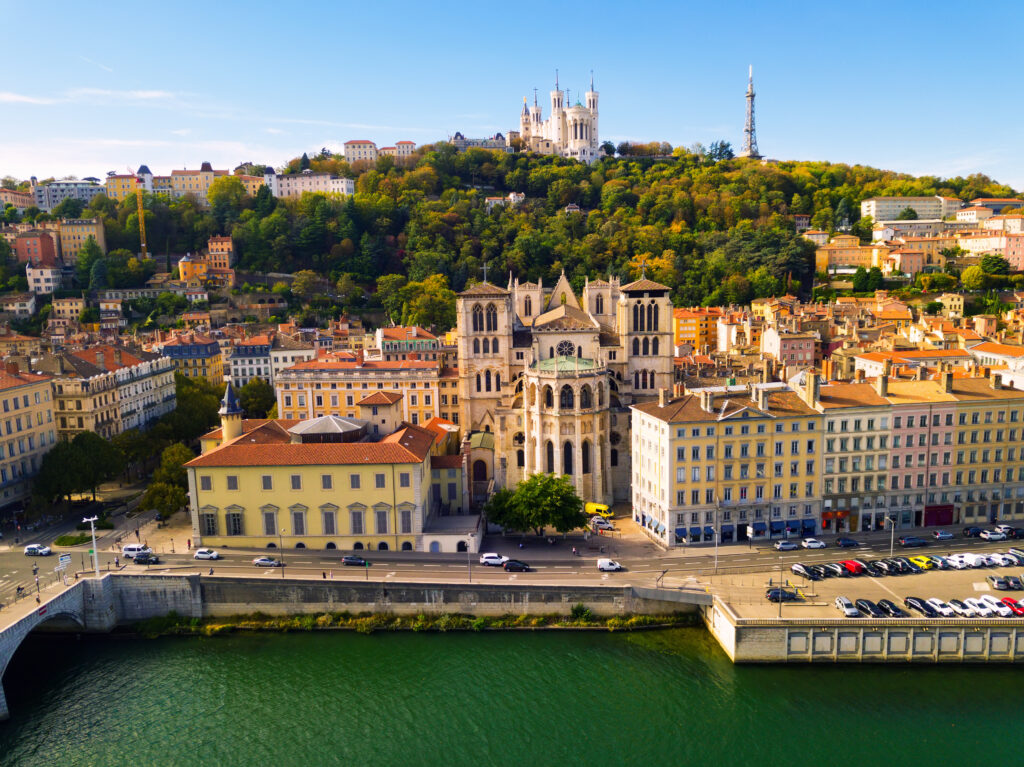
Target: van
point(598, 509)
point(132, 550)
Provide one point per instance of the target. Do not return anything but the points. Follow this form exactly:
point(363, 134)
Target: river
point(545, 698)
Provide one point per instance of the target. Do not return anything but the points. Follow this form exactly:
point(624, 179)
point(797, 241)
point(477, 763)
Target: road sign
point(60, 567)
point(65, 559)
point(750, 531)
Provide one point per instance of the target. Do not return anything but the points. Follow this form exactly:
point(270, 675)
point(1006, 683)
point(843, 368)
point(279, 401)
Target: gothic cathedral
point(551, 376)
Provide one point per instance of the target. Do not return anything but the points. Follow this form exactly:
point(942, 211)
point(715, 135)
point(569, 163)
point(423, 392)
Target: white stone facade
point(569, 131)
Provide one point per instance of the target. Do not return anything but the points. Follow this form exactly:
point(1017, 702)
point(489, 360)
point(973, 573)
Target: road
point(550, 564)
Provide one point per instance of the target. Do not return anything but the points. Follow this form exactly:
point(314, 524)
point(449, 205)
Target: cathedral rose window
point(566, 349)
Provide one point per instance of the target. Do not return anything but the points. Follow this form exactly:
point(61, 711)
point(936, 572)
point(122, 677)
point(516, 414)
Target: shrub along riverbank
point(366, 623)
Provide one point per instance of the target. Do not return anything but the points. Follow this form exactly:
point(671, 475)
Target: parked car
point(146, 559)
point(353, 560)
point(958, 561)
point(493, 560)
point(781, 595)
point(940, 563)
point(1013, 604)
point(961, 609)
point(37, 550)
point(992, 535)
point(1016, 533)
point(846, 543)
point(267, 562)
point(845, 606)
point(891, 609)
point(600, 523)
point(852, 567)
point(908, 566)
point(872, 569)
point(912, 542)
point(817, 570)
point(996, 606)
point(786, 546)
point(835, 569)
point(802, 570)
point(1004, 529)
point(812, 543)
point(1016, 560)
point(972, 532)
point(1014, 582)
point(942, 535)
point(131, 550)
point(925, 563)
point(206, 554)
point(982, 609)
point(1002, 560)
point(921, 606)
point(598, 509)
point(885, 566)
point(941, 607)
point(998, 582)
point(609, 565)
point(869, 608)
point(516, 566)
point(1017, 552)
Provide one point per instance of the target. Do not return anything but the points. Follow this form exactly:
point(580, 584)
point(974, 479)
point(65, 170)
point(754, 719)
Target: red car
point(852, 567)
point(1013, 604)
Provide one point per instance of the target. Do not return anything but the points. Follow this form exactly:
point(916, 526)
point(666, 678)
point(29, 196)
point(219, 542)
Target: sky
point(917, 87)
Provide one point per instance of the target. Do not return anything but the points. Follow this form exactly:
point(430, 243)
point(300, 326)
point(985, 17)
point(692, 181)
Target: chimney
point(921, 373)
point(99, 360)
point(117, 356)
point(766, 371)
point(882, 385)
point(707, 401)
point(11, 367)
point(886, 367)
point(661, 397)
point(812, 387)
point(947, 381)
point(997, 380)
point(858, 376)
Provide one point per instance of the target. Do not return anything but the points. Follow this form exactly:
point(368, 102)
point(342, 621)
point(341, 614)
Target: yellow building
point(313, 484)
point(335, 385)
point(696, 327)
point(195, 356)
point(28, 433)
point(713, 462)
point(195, 182)
point(118, 186)
point(85, 395)
point(252, 184)
point(192, 269)
point(75, 232)
point(845, 250)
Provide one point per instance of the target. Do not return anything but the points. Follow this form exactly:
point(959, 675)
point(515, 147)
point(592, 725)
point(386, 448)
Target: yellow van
point(599, 509)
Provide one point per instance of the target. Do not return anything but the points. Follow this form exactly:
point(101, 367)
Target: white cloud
point(133, 95)
point(104, 67)
point(6, 97)
point(275, 131)
point(181, 131)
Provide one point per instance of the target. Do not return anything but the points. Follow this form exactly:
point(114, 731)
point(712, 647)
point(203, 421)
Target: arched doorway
point(300, 545)
point(330, 546)
point(461, 546)
point(357, 546)
point(382, 546)
point(271, 545)
point(479, 471)
point(435, 547)
point(407, 546)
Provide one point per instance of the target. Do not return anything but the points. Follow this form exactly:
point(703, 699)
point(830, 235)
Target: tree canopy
point(540, 501)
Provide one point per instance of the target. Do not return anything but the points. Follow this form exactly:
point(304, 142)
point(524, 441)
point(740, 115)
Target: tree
point(502, 510)
point(389, 293)
point(720, 150)
point(992, 263)
point(98, 275)
point(196, 412)
point(430, 303)
point(171, 470)
point(348, 290)
point(164, 499)
point(305, 284)
point(933, 307)
point(875, 279)
point(99, 460)
point(59, 473)
point(548, 500)
point(608, 148)
point(226, 196)
point(69, 207)
point(304, 162)
point(907, 214)
point(860, 280)
point(88, 255)
point(256, 398)
point(974, 278)
point(737, 289)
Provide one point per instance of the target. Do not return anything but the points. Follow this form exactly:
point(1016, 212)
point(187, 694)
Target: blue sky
point(911, 86)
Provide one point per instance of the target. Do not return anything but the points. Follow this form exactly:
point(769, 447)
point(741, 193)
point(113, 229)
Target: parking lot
point(746, 593)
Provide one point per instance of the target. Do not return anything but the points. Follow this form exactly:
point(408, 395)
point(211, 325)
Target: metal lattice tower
point(749, 131)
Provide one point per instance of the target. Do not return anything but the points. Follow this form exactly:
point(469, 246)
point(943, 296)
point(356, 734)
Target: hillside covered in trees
point(715, 230)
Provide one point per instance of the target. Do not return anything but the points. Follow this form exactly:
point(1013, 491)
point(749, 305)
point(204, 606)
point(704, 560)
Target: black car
point(895, 567)
point(146, 558)
point(781, 595)
point(1016, 533)
point(889, 608)
point(872, 568)
point(798, 568)
point(885, 566)
point(912, 542)
point(972, 532)
point(515, 566)
point(918, 604)
point(908, 566)
point(846, 543)
point(868, 607)
point(353, 561)
point(817, 571)
point(835, 569)
point(1014, 582)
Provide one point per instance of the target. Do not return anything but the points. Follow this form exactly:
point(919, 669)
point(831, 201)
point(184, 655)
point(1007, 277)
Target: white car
point(976, 560)
point(992, 535)
point(1003, 560)
point(981, 609)
point(206, 554)
point(961, 609)
point(996, 606)
point(37, 550)
point(812, 543)
point(786, 546)
point(958, 561)
point(941, 607)
point(493, 560)
point(600, 523)
point(1005, 529)
point(845, 606)
point(608, 565)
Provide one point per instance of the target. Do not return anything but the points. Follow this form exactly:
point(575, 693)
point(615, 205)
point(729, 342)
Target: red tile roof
point(446, 462)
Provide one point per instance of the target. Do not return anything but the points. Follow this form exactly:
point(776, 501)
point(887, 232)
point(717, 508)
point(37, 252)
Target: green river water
point(545, 698)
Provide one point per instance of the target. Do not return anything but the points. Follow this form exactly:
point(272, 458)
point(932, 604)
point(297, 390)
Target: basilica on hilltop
point(569, 131)
point(546, 379)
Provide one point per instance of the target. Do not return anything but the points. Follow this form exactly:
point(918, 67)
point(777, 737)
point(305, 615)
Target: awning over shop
point(808, 524)
point(695, 533)
point(727, 528)
point(680, 532)
point(778, 526)
point(760, 527)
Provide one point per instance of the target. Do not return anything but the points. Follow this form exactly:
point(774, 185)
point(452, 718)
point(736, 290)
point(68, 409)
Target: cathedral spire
point(556, 79)
point(591, 80)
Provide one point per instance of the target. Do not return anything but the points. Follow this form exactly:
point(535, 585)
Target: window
point(207, 524)
point(354, 481)
point(267, 483)
point(405, 520)
point(232, 482)
point(270, 523)
point(234, 523)
point(298, 522)
point(382, 522)
point(296, 481)
point(378, 480)
point(404, 479)
point(329, 523)
point(326, 482)
point(205, 483)
point(356, 522)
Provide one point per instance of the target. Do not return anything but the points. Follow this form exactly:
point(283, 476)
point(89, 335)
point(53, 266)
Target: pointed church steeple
point(230, 415)
point(562, 293)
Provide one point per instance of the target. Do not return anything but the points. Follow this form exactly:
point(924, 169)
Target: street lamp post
point(95, 554)
point(469, 556)
point(892, 532)
point(280, 542)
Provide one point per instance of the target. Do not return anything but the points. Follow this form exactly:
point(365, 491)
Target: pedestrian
point(211, 571)
point(136, 533)
point(117, 561)
point(324, 574)
point(574, 551)
point(332, 575)
point(188, 545)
